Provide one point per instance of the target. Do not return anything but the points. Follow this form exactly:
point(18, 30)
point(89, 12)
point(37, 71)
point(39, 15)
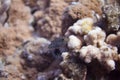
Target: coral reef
point(59, 40)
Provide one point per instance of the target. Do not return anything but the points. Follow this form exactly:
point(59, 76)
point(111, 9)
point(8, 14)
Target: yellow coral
point(86, 25)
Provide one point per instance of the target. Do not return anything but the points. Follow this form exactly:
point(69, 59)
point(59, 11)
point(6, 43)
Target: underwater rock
point(4, 6)
point(111, 15)
point(73, 69)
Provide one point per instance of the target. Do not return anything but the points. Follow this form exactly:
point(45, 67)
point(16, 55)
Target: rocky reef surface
point(59, 40)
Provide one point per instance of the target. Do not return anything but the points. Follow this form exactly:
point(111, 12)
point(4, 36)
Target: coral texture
point(59, 40)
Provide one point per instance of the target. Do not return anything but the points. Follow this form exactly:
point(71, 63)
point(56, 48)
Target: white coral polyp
point(104, 55)
point(65, 54)
point(95, 37)
point(87, 53)
point(107, 51)
point(74, 43)
point(111, 64)
point(86, 21)
point(82, 26)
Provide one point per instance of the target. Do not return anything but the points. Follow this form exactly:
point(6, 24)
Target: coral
point(59, 40)
point(94, 49)
point(19, 14)
point(89, 52)
point(74, 43)
point(47, 25)
point(114, 40)
point(72, 13)
point(80, 10)
point(105, 55)
point(95, 37)
point(81, 27)
point(92, 5)
point(9, 43)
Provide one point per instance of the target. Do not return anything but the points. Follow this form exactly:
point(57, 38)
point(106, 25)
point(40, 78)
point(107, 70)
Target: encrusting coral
point(46, 24)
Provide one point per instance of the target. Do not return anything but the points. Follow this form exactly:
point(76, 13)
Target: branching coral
point(75, 33)
point(74, 43)
point(85, 51)
point(95, 48)
point(95, 37)
point(81, 27)
point(105, 55)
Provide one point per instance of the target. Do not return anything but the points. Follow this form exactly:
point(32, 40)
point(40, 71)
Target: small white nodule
point(74, 42)
point(111, 64)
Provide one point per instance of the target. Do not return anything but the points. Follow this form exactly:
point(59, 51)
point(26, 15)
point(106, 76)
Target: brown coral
point(114, 40)
point(48, 25)
point(19, 14)
point(92, 5)
point(11, 38)
point(82, 9)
